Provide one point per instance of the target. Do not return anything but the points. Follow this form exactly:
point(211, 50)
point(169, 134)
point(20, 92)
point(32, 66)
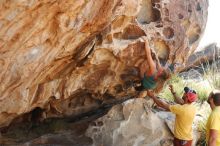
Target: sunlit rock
point(132, 123)
point(73, 55)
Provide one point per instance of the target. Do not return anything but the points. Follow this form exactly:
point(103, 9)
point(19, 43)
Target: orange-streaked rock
point(62, 48)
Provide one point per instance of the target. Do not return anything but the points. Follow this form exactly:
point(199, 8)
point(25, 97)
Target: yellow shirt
point(214, 123)
point(184, 119)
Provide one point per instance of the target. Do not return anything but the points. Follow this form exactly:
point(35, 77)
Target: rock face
point(132, 124)
point(66, 57)
point(210, 53)
point(135, 123)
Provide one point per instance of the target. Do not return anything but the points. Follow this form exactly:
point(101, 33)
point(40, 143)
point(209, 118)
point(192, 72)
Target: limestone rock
point(83, 52)
point(133, 124)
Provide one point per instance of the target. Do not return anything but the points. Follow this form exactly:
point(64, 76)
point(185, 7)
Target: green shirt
point(149, 82)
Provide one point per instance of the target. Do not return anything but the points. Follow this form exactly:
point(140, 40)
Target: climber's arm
point(150, 61)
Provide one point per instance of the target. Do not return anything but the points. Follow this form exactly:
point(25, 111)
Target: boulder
point(132, 123)
point(73, 55)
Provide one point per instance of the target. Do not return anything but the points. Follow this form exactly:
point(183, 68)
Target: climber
point(185, 112)
point(150, 75)
point(213, 126)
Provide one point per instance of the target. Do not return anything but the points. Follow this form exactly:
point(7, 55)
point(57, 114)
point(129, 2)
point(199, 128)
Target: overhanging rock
point(70, 56)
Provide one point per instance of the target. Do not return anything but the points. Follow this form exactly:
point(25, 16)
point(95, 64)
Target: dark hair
point(187, 89)
point(216, 99)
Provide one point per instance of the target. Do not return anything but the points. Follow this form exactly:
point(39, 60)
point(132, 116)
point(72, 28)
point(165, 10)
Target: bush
point(212, 74)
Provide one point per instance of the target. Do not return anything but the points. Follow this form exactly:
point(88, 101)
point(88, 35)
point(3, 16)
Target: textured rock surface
point(52, 132)
point(132, 124)
point(83, 52)
point(210, 53)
